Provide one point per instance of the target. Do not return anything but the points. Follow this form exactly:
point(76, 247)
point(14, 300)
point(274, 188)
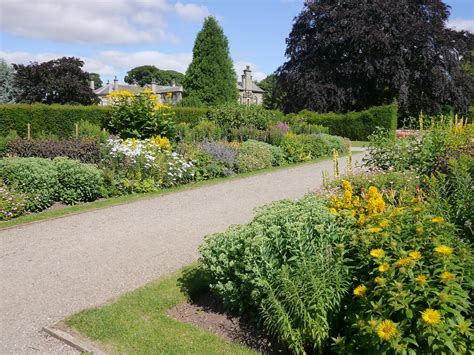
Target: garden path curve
point(52, 269)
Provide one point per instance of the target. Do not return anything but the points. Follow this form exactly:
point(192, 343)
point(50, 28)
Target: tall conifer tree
point(210, 78)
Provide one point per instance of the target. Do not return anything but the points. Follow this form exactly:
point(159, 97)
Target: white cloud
point(240, 65)
point(191, 11)
point(462, 24)
point(95, 21)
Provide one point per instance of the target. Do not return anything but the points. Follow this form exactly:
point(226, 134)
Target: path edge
point(79, 344)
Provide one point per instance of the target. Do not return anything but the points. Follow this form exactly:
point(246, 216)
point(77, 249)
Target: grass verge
point(137, 322)
point(35, 217)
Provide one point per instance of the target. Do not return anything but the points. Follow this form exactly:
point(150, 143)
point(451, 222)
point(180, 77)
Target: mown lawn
point(137, 322)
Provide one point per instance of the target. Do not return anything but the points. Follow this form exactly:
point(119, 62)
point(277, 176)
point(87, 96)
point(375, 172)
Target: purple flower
point(283, 127)
point(220, 151)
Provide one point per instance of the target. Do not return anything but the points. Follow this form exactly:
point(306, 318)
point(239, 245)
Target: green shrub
point(303, 147)
point(5, 141)
point(58, 120)
point(353, 125)
point(92, 131)
point(205, 165)
point(77, 182)
point(245, 133)
point(12, 203)
point(284, 266)
point(191, 115)
point(254, 155)
point(204, 130)
point(140, 116)
point(37, 178)
point(235, 116)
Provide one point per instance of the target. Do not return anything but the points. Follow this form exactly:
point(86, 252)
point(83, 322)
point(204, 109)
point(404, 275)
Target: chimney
point(247, 83)
point(153, 86)
point(91, 84)
point(109, 86)
point(116, 86)
point(173, 83)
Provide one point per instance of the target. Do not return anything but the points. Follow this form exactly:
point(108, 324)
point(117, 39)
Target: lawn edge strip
point(83, 346)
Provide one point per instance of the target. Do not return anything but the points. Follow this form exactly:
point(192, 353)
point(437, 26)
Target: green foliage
point(12, 203)
point(204, 130)
point(146, 74)
point(353, 125)
point(5, 141)
point(77, 182)
point(8, 91)
point(205, 165)
point(254, 155)
point(59, 120)
point(58, 81)
point(140, 116)
point(272, 96)
point(191, 115)
point(303, 147)
point(35, 177)
point(235, 116)
point(271, 267)
point(92, 131)
point(210, 78)
point(97, 80)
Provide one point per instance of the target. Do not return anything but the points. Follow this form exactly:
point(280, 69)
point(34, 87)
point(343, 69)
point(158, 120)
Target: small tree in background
point(97, 80)
point(210, 77)
point(59, 81)
point(8, 91)
point(145, 74)
point(273, 95)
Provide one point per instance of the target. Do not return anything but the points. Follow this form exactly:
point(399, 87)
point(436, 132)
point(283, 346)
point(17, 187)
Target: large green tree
point(145, 74)
point(8, 91)
point(210, 77)
point(58, 81)
point(351, 54)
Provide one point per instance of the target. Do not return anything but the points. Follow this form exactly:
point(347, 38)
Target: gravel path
point(55, 268)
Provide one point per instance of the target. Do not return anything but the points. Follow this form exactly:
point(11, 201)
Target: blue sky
point(113, 36)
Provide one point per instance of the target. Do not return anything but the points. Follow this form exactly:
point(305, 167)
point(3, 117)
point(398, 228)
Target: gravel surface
point(55, 268)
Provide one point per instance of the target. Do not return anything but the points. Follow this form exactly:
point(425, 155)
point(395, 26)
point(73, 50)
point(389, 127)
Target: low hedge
point(191, 115)
point(58, 120)
point(353, 125)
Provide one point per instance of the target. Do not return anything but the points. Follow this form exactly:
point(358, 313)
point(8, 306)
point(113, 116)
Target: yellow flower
point(376, 253)
point(431, 316)
point(419, 229)
point(387, 330)
point(421, 279)
point(444, 250)
point(372, 323)
point(360, 290)
point(384, 267)
point(375, 202)
point(332, 210)
point(437, 220)
point(374, 230)
point(403, 262)
point(446, 276)
point(384, 223)
point(378, 280)
point(415, 255)
point(417, 209)
point(415, 200)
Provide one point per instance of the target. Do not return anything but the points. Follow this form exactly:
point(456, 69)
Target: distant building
point(249, 92)
point(166, 94)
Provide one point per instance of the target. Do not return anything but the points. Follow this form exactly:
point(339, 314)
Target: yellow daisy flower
point(446, 276)
point(383, 267)
point(403, 262)
point(431, 316)
point(444, 250)
point(360, 290)
point(419, 230)
point(376, 253)
point(384, 223)
point(378, 280)
point(421, 279)
point(417, 209)
point(374, 230)
point(437, 220)
point(387, 330)
point(415, 255)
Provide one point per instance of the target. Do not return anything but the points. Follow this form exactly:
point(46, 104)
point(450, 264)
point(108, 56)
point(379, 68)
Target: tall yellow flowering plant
point(140, 116)
point(413, 277)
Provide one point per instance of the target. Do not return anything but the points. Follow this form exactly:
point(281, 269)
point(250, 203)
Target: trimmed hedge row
point(353, 125)
point(58, 120)
point(191, 115)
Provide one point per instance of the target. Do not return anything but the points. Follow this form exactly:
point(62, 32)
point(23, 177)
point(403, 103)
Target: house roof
point(255, 88)
point(135, 89)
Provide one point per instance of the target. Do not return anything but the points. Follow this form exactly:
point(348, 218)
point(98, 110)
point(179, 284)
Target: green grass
point(360, 143)
point(35, 217)
point(137, 322)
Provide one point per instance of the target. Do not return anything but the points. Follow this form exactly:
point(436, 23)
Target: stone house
point(166, 94)
point(249, 92)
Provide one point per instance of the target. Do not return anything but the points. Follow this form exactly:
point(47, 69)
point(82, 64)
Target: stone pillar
point(116, 86)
